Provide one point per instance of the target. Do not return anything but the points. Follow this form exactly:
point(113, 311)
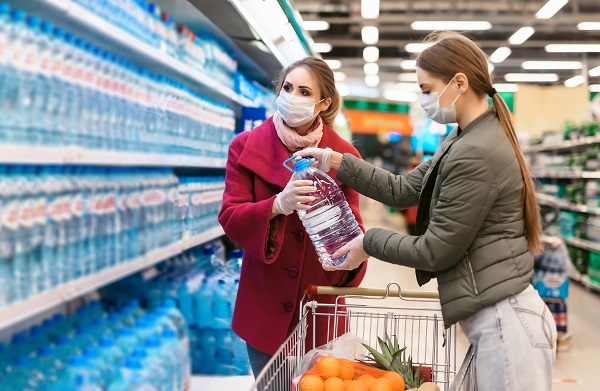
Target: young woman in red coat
point(258, 211)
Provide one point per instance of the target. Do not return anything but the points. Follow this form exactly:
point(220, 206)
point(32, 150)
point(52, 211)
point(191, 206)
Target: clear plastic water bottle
point(221, 304)
point(20, 376)
point(208, 349)
point(224, 353)
point(133, 377)
point(329, 222)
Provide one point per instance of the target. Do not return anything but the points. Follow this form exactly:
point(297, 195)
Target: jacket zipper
point(472, 274)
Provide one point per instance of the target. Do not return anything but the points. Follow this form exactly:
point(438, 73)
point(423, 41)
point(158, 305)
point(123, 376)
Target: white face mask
point(431, 104)
point(296, 110)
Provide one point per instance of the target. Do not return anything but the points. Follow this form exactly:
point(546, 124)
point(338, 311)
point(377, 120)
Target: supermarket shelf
point(24, 154)
point(578, 208)
point(585, 281)
point(73, 13)
point(221, 383)
point(584, 244)
point(568, 174)
point(564, 146)
point(32, 306)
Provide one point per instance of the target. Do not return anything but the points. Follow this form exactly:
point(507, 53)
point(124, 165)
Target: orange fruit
point(367, 379)
point(346, 371)
point(355, 385)
point(381, 385)
point(329, 367)
point(334, 384)
point(312, 383)
point(396, 379)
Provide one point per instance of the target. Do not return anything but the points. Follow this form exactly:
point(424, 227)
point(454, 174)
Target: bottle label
point(77, 206)
point(122, 204)
point(29, 58)
point(27, 212)
point(41, 211)
point(134, 200)
point(10, 215)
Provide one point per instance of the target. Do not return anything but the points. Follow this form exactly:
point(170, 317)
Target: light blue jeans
point(515, 344)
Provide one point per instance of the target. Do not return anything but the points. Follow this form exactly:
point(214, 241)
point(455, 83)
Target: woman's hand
point(325, 157)
point(356, 255)
point(293, 197)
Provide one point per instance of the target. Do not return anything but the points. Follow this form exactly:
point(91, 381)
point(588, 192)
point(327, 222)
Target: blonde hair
point(324, 76)
point(453, 53)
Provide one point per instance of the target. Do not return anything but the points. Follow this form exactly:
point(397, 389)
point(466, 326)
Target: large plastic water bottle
point(19, 377)
point(133, 377)
point(224, 353)
point(172, 343)
point(329, 222)
point(221, 305)
point(207, 342)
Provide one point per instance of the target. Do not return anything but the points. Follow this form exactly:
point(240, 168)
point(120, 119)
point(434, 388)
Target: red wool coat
point(279, 258)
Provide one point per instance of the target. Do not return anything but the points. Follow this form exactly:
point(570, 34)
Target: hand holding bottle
point(294, 196)
point(326, 158)
point(356, 255)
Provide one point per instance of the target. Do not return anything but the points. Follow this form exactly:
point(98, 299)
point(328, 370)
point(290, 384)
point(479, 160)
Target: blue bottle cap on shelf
point(18, 338)
point(62, 340)
point(17, 15)
point(36, 330)
point(47, 27)
point(106, 341)
point(92, 352)
point(77, 360)
point(4, 8)
point(59, 318)
point(21, 361)
point(133, 363)
point(169, 303)
point(70, 37)
point(237, 253)
point(33, 21)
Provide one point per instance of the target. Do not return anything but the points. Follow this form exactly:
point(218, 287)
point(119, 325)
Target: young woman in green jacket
point(478, 224)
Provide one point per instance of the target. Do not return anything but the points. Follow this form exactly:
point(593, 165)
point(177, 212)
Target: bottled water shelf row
point(563, 145)
point(31, 154)
point(584, 244)
point(111, 34)
point(568, 174)
point(38, 304)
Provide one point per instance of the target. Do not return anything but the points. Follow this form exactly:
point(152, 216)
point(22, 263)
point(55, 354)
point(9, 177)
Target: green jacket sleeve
point(381, 185)
point(467, 193)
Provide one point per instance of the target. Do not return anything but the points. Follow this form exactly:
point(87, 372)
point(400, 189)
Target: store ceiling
point(395, 32)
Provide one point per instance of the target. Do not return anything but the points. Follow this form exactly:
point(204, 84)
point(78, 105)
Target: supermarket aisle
point(575, 369)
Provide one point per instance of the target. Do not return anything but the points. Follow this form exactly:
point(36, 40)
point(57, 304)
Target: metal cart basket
point(414, 317)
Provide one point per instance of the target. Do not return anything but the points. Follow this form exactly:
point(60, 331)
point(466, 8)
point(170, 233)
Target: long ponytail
point(531, 209)
point(452, 53)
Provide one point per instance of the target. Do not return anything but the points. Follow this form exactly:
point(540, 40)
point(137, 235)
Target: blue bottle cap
point(4, 8)
point(19, 338)
point(298, 164)
point(45, 351)
point(237, 253)
point(17, 15)
point(21, 361)
point(47, 27)
point(33, 21)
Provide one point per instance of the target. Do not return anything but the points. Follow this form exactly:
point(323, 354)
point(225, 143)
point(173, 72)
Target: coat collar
point(264, 153)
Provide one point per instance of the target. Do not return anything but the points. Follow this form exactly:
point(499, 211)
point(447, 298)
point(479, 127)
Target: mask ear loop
point(444, 90)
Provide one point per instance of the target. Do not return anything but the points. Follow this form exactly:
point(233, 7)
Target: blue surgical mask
point(431, 104)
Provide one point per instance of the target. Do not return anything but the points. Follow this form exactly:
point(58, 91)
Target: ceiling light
point(371, 68)
point(550, 8)
point(401, 96)
point(370, 35)
point(369, 9)
point(343, 89)
point(575, 81)
point(491, 67)
point(460, 25)
point(552, 65)
point(531, 77)
point(371, 54)
point(372, 80)
point(573, 48)
point(315, 25)
point(417, 47)
point(413, 87)
point(500, 54)
point(506, 87)
point(594, 72)
point(339, 76)
point(322, 47)
point(521, 35)
point(408, 64)
point(589, 26)
point(594, 87)
point(334, 64)
point(407, 76)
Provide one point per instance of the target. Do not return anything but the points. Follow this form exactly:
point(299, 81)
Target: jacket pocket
point(471, 274)
point(536, 319)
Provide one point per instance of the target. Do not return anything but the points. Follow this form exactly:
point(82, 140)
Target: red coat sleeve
point(244, 219)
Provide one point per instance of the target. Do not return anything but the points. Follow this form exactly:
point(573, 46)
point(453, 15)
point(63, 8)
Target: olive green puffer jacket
point(475, 239)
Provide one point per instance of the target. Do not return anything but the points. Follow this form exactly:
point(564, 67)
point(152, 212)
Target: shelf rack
point(22, 310)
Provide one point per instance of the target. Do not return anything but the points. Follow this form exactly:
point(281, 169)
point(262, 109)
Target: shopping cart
point(416, 321)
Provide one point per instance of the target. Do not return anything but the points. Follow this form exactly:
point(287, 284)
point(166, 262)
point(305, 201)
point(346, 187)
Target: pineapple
point(392, 358)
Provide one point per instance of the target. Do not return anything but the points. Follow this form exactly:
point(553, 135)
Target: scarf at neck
point(292, 140)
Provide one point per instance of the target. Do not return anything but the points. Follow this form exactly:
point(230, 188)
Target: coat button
point(288, 307)
point(299, 235)
point(292, 272)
